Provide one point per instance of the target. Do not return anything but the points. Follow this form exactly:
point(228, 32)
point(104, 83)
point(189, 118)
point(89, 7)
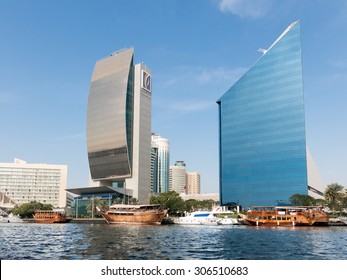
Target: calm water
point(128, 242)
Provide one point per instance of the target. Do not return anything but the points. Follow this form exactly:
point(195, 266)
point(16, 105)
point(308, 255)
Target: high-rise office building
point(163, 163)
point(193, 182)
point(262, 129)
point(119, 125)
point(22, 182)
point(178, 177)
point(154, 168)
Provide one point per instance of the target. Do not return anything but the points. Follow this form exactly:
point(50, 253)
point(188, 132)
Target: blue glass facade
point(262, 129)
point(163, 168)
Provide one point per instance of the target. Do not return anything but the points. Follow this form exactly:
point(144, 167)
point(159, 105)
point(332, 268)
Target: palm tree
point(117, 200)
point(333, 195)
point(96, 202)
point(344, 200)
point(133, 201)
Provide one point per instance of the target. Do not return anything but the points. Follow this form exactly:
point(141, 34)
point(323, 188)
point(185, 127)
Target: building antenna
point(262, 51)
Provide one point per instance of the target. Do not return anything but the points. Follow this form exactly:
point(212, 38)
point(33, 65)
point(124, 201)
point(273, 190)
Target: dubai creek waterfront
point(30, 241)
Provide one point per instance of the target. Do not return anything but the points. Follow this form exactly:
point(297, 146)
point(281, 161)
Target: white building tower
point(163, 163)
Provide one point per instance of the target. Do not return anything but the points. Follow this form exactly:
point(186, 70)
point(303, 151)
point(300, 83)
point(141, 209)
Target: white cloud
point(196, 87)
point(246, 8)
point(219, 74)
point(204, 75)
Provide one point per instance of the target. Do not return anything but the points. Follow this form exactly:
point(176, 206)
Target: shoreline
point(333, 222)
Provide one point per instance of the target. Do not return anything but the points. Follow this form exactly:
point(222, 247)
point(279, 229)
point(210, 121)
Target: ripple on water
point(82, 241)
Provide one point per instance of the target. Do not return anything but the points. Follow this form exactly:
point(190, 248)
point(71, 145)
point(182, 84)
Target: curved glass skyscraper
point(109, 117)
point(262, 129)
point(119, 124)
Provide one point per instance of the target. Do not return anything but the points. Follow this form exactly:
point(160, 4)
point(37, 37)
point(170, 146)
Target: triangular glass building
point(262, 130)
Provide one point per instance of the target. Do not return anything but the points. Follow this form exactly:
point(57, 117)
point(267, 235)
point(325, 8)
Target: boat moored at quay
point(198, 218)
point(287, 216)
point(4, 217)
point(343, 220)
point(216, 216)
point(134, 214)
point(228, 221)
point(50, 217)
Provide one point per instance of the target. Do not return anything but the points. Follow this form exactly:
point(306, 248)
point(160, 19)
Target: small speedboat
point(343, 220)
point(4, 217)
point(14, 218)
point(228, 221)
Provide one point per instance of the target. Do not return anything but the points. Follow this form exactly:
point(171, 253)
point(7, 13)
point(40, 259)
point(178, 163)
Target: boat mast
point(125, 193)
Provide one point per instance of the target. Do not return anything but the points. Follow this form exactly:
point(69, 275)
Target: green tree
point(175, 203)
point(334, 195)
point(170, 200)
point(321, 202)
point(343, 202)
point(191, 205)
point(117, 200)
point(27, 210)
point(302, 200)
point(206, 204)
point(133, 201)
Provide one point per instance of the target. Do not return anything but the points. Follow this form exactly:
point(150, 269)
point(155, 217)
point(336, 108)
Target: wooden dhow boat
point(287, 216)
point(134, 214)
point(50, 217)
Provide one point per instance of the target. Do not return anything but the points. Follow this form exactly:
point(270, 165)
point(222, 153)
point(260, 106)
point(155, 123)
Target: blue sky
point(196, 50)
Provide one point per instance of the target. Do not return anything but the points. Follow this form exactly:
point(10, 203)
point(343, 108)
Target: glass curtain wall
point(262, 129)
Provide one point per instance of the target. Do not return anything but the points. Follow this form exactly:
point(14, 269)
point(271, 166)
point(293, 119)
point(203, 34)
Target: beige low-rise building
point(201, 196)
point(22, 182)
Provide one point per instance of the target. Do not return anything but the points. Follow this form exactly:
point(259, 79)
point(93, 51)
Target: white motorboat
point(14, 218)
point(198, 218)
point(343, 219)
point(5, 218)
point(228, 221)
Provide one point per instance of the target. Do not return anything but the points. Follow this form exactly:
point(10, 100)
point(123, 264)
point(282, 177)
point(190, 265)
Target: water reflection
point(101, 241)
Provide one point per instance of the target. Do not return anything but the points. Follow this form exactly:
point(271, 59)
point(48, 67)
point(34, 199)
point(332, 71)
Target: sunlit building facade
point(22, 182)
point(262, 129)
point(177, 177)
point(193, 183)
point(119, 125)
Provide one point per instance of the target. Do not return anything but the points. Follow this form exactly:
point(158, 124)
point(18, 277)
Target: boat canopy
point(129, 206)
point(202, 215)
point(285, 207)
